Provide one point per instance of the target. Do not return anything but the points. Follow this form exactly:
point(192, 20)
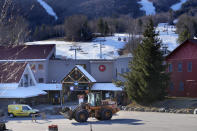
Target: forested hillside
point(46, 19)
point(163, 5)
point(189, 8)
point(33, 12)
point(96, 8)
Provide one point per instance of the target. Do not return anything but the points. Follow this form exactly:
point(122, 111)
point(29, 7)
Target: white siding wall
point(121, 66)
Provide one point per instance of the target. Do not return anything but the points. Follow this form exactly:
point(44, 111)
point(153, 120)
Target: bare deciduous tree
point(13, 28)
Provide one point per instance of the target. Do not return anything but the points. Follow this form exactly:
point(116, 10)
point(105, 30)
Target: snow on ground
point(90, 50)
point(167, 35)
point(48, 8)
point(177, 6)
point(147, 6)
point(110, 45)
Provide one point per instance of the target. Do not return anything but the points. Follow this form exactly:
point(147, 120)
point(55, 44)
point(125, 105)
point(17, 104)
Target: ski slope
point(177, 6)
point(90, 50)
point(110, 45)
point(167, 35)
point(48, 8)
point(147, 6)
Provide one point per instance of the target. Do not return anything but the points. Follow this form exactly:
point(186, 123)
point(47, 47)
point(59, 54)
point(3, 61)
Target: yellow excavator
point(95, 107)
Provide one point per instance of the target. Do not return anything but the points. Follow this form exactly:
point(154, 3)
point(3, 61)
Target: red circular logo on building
point(102, 68)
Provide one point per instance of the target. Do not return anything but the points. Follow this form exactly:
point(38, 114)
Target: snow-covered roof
point(8, 85)
point(86, 73)
point(22, 60)
point(105, 87)
point(49, 87)
point(13, 91)
point(125, 56)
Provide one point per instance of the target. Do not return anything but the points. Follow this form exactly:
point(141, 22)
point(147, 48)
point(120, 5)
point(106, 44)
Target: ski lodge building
point(32, 73)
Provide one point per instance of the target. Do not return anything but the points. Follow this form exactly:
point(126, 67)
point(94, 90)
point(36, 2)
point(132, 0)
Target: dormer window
point(21, 84)
point(26, 80)
point(31, 82)
point(33, 67)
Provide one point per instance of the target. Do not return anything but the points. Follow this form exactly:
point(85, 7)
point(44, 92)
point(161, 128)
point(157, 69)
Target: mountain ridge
point(36, 13)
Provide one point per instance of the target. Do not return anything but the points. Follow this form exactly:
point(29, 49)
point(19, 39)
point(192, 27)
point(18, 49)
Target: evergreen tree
point(77, 28)
point(101, 26)
point(147, 81)
point(86, 33)
point(106, 28)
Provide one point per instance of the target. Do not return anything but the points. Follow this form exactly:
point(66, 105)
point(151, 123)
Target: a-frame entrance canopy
point(78, 80)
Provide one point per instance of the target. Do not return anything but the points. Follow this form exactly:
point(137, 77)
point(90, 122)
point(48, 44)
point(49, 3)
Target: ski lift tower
point(101, 46)
point(75, 48)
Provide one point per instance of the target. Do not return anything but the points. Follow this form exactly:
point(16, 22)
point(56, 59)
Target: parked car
point(21, 110)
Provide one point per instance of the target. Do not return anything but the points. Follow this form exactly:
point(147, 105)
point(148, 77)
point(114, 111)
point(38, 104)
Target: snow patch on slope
point(90, 50)
point(147, 6)
point(167, 35)
point(177, 6)
point(111, 45)
point(48, 8)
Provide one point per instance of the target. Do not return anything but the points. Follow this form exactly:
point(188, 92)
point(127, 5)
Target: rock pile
point(154, 109)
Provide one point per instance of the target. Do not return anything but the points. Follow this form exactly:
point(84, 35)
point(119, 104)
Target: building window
point(189, 67)
point(116, 72)
point(128, 70)
point(21, 83)
point(171, 86)
point(181, 86)
point(40, 66)
point(179, 67)
point(170, 67)
point(33, 67)
point(122, 70)
point(41, 80)
point(26, 80)
point(31, 82)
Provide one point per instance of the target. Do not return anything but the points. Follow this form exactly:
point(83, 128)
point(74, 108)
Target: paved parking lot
point(123, 121)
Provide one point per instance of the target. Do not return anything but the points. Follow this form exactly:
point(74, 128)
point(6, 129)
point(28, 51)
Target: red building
point(182, 65)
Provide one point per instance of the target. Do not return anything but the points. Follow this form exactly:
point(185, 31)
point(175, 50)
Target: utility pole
point(100, 50)
point(75, 48)
point(101, 55)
